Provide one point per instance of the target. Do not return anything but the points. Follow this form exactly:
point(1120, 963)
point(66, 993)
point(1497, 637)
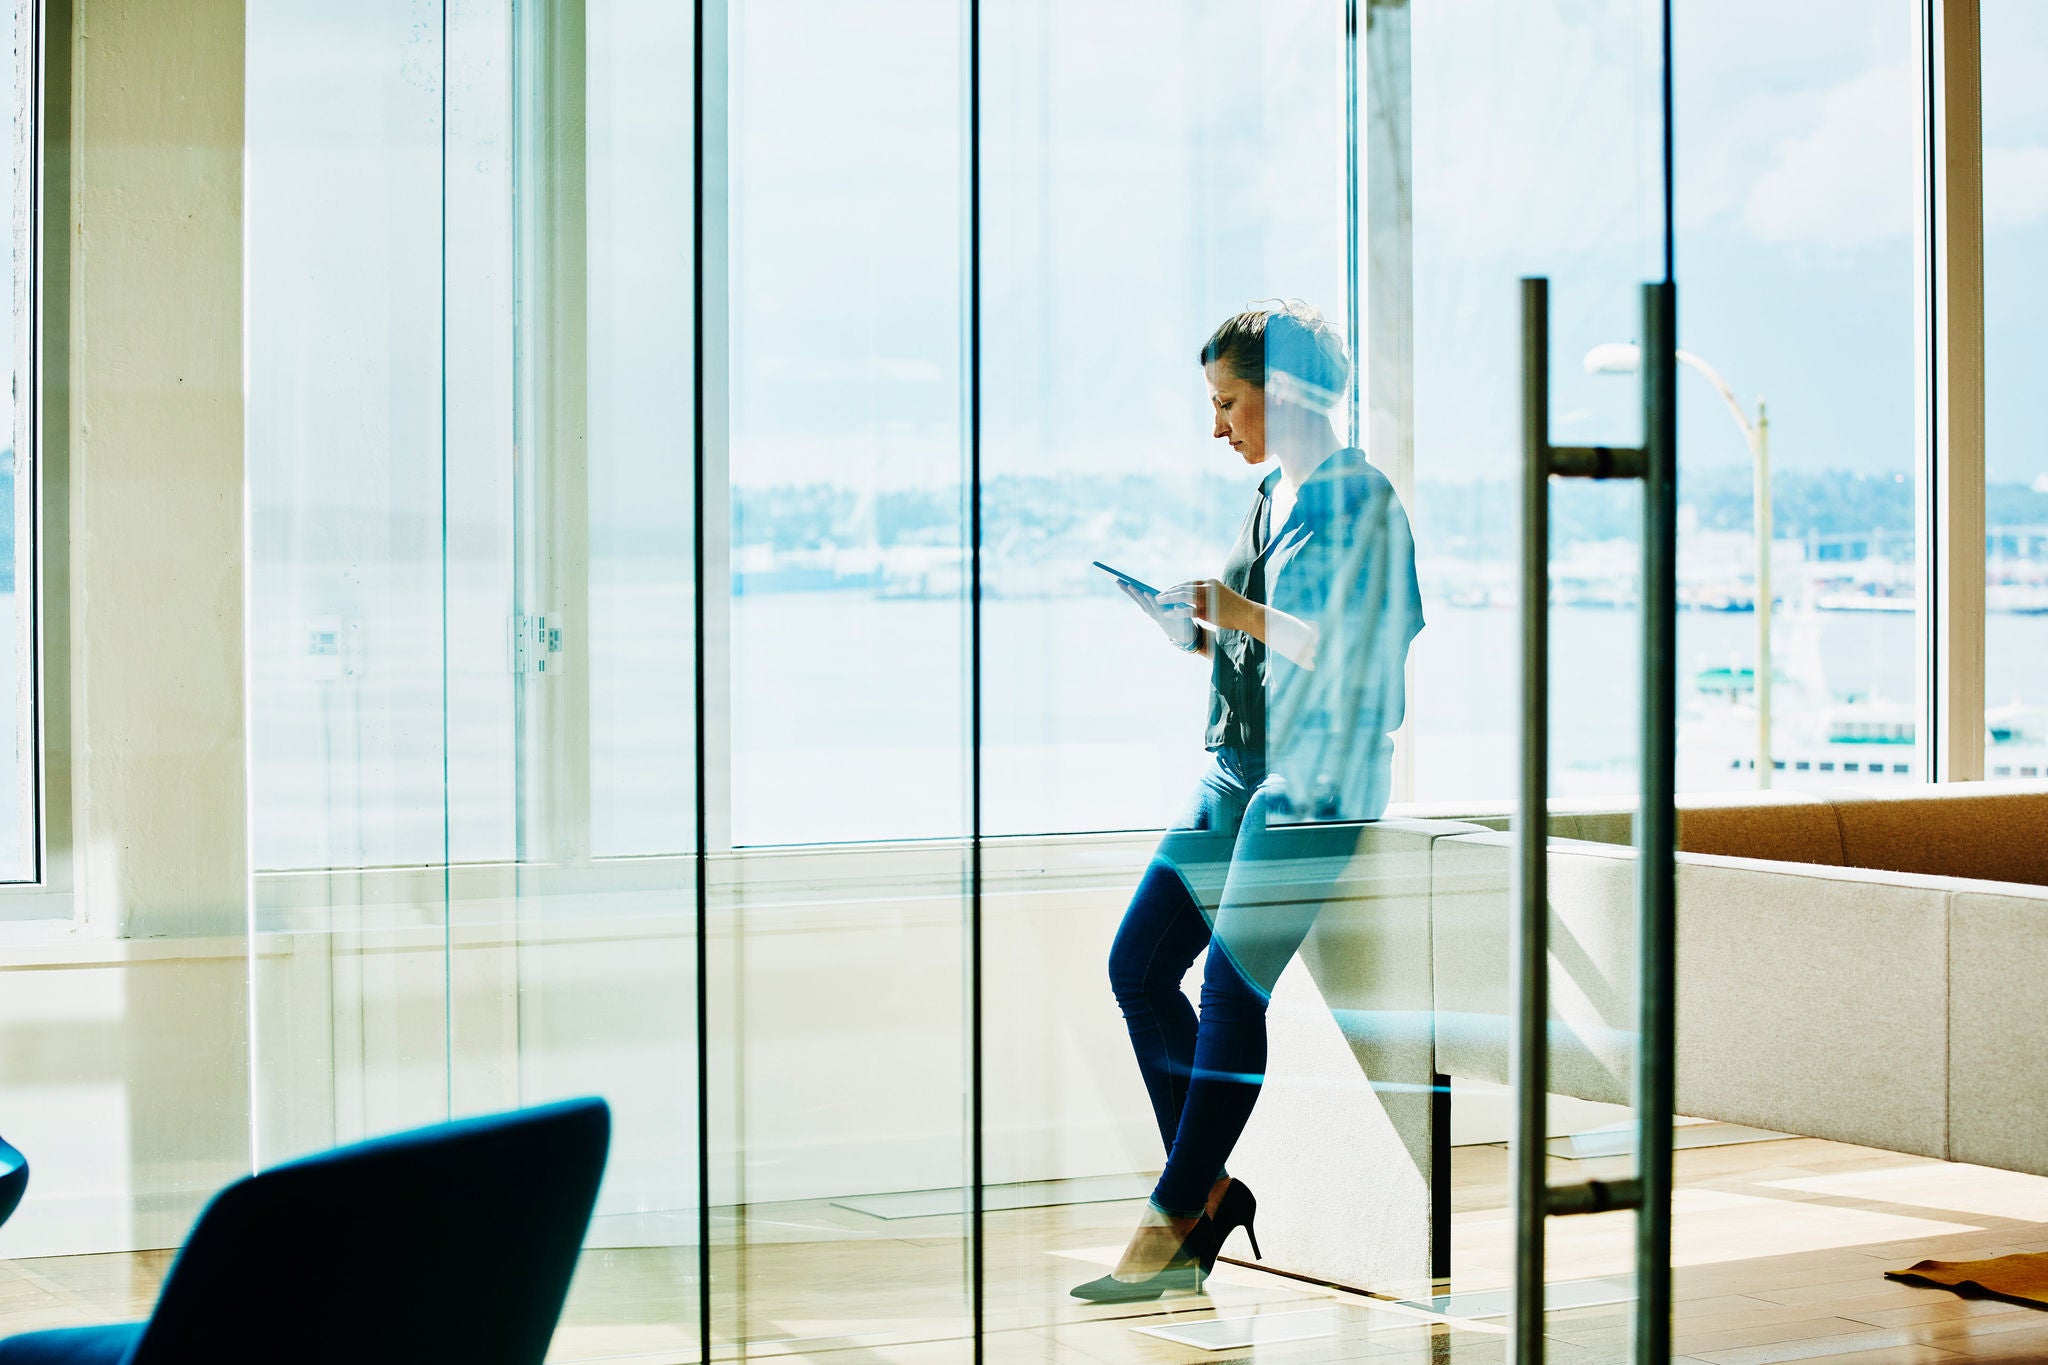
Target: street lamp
point(1625, 357)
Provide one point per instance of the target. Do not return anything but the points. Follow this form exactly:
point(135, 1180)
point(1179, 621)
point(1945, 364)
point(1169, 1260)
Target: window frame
point(1950, 379)
point(42, 503)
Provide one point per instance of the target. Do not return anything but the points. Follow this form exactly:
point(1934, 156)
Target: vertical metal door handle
point(1533, 1199)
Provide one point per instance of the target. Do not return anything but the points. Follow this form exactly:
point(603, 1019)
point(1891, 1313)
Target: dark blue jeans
point(1235, 877)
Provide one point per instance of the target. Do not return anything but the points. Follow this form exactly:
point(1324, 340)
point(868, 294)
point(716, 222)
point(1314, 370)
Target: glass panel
point(1281, 894)
point(2016, 405)
point(840, 1149)
point(1099, 446)
point(346, 468)
point(1537, 153)
point(848, 634)
point(350, 743)
point(643, 739)
point(1799, 186)
point(595, 976)
point(1090, 449)
point(473, 680)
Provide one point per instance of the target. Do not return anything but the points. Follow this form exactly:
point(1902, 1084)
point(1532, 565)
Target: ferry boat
point(1848, 741)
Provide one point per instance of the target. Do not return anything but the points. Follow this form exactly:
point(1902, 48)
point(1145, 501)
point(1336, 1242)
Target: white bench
point(1878, 975)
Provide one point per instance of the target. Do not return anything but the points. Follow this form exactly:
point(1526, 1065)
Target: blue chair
point(13, 1179)
point(447, 1244)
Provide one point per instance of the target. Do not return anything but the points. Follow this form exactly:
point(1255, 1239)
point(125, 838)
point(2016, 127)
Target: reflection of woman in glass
point(1307, 631)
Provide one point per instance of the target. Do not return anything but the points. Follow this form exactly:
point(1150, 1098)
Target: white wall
point(123, 1031)
point(123, 1079)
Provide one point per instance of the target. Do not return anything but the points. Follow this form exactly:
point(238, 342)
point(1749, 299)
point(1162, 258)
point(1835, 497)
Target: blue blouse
point(1343, 562)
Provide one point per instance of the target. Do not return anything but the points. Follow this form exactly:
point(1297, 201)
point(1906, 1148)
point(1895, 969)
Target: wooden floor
point(1779, 1249)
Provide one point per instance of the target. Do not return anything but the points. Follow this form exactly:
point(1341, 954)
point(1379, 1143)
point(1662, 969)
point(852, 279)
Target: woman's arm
point(1215, 605)
point(1288, 636)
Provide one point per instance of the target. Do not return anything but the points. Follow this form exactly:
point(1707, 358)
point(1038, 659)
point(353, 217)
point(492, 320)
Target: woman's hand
point(1177, 624)
point(1214, 604)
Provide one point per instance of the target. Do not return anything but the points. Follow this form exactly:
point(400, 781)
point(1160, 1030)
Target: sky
point(1148, 167)
point(1152, 165)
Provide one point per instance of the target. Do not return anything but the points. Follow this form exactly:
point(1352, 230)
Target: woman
point(1307, 631)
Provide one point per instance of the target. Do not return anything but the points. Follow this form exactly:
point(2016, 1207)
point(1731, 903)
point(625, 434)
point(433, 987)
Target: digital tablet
point(1122, 577)
point(1177, 619)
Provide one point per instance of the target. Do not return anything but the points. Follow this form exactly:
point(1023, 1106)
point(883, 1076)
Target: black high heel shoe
point(1236, 1209)
point(1182, 1272)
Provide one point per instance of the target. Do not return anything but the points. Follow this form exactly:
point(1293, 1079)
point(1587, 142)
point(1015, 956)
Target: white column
point(155, 437)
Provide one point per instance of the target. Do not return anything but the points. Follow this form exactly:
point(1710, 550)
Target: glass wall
point(473, 698)
point(1537, 152)
point(345, 461)
point(838, 988)
point(2015, 37)
point(926, 599)
point(476, 280)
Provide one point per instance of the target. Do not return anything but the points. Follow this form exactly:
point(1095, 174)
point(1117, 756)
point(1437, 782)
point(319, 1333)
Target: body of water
point(848, 717)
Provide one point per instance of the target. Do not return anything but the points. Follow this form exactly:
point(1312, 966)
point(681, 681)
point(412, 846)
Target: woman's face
point(1240, 409)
